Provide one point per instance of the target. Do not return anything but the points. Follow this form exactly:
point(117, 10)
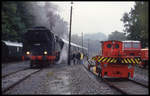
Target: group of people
point(77, 58)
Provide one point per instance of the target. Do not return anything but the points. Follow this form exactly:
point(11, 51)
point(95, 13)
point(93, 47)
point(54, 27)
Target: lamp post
point(70, 34)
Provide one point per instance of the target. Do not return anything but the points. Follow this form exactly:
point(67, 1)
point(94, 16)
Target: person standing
point(78, 58)
point(81, 58)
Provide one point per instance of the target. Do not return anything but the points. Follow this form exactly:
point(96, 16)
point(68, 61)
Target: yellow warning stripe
point(132, 60)
point(125, 60)
point(136, 61)
point(122, 61)
point(100, 59)
point(104, 59)
point(128, 60)
point(112, 60)
point(108, 60)
point(115, 60)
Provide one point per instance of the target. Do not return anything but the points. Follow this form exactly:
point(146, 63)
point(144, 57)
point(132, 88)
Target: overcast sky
point(93, 17)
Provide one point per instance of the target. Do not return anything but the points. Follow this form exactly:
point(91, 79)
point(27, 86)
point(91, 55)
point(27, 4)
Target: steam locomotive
point(43, 47)
point(117, 60)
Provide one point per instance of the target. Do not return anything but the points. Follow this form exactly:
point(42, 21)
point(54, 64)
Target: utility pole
point(70, 34)
point(82, 42)
point(88, 47)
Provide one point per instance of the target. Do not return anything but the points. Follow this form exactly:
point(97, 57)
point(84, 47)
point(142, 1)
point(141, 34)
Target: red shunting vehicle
point(114, 62)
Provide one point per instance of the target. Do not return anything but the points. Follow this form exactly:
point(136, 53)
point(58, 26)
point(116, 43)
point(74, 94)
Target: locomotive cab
point(111, 48)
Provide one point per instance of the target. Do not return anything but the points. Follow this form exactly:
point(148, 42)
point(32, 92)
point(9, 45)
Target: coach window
point(135, 45)
point(127, 45)
point(108, 45)
point(117, 46)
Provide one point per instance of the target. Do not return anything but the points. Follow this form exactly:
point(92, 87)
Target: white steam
point(63, 55)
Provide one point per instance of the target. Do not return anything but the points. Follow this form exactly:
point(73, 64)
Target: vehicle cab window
point(109, 45)
point(117, 46)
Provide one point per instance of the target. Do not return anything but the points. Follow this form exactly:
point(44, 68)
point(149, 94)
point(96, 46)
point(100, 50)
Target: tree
point(17, 17)
point(15, 20)
point(117, 36)
point(136, 23)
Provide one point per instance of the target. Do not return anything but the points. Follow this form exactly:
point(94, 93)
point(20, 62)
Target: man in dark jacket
point(74, 58)
point(78, 55)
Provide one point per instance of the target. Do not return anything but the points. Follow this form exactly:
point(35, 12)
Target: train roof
point(131, 41)
point(9, 43)
point(110, 40)
point(121, 41)
point(73, 44)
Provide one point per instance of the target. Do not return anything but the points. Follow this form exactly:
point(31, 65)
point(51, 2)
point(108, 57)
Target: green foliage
point(19, 16)
point(14, 20)
point(136, 23)
point(117, 36)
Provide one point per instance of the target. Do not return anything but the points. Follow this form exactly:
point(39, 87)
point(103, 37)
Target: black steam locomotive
point(41, 46)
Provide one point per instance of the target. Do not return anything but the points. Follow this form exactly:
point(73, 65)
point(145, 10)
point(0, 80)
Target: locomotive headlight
point(27, 52)
point(45, 52)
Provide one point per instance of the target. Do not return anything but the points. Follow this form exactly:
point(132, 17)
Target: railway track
point(124, 86)
point(9, 81)
point(8, 74)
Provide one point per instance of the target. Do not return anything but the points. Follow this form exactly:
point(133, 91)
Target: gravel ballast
point(62, 79)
